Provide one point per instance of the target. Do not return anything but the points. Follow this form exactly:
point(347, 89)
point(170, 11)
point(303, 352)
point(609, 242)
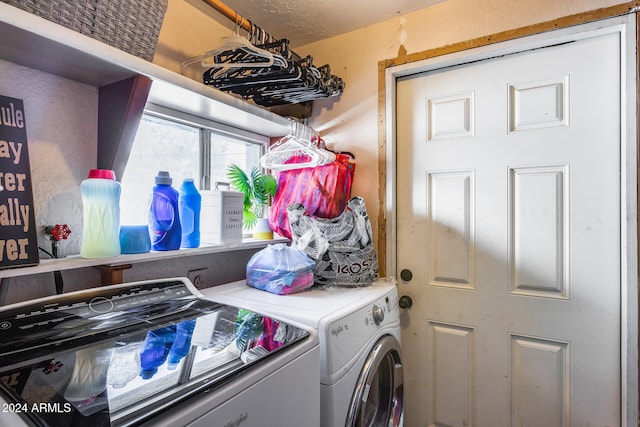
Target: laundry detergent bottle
point(101, 214)
point(155, 350)
point(125, 364)
point(189, 203)
point(89, 377)
point(182, 343)
point(164, 216)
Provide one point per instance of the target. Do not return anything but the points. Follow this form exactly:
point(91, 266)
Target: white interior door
point(509, 218)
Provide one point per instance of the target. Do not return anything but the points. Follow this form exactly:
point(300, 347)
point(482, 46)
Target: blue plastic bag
point(280, 269)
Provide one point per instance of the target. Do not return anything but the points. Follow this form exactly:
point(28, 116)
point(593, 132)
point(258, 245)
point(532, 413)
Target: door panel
point(452, 370)
point(538, 221)
point(451, 222)
point(539, 386)
point(508, 213)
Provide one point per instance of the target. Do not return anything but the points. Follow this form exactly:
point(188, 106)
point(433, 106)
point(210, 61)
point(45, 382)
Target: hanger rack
point(289, 79)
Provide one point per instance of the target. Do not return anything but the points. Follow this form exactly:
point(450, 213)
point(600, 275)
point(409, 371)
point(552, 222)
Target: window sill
point(75, 261)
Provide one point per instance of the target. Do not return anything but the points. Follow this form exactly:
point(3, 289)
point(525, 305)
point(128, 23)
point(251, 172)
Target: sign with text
point(18, 239)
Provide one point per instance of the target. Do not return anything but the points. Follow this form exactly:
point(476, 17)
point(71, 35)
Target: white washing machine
point(153, 353)
point(360, 360)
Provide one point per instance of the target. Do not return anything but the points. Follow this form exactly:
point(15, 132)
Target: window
point(187, 147)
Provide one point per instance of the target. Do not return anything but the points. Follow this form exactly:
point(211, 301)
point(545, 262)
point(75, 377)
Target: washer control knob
point(378, 314)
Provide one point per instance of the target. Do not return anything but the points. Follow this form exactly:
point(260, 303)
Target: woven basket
point(130, 25)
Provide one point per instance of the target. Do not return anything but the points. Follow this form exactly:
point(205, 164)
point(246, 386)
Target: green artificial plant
point(258, 189)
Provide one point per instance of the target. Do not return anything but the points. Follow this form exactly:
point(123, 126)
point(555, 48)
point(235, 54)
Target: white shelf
point(34, 42)
point(74, 262)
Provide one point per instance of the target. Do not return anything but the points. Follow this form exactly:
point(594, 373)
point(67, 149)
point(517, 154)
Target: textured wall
point(351, 123)
point(61, 118)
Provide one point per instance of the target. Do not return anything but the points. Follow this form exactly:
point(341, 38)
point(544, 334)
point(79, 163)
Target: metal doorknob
point(405, 302)
point(406, 275)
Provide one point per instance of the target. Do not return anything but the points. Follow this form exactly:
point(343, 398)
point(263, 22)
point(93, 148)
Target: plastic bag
point(342, 247)
point(323, 190)
point(280, 269)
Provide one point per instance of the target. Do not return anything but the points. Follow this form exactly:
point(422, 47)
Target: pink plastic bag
point(323, 190)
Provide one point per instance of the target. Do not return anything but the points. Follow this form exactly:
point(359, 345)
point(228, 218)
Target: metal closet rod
point(233, 16)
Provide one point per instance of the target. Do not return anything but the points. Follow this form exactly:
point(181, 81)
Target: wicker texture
point(130, 25)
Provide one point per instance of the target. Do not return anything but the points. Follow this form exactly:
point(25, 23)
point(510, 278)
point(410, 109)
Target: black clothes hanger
point(289, 80)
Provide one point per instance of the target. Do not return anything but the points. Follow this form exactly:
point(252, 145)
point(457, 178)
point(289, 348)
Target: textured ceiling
point(306, 21)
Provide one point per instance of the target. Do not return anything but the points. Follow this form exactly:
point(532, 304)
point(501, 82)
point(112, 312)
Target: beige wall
point(190, 28)
point(351, 122)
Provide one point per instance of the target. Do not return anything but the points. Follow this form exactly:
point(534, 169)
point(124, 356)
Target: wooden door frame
point(507, 42)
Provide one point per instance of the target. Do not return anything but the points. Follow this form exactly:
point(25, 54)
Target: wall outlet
point(199, 277)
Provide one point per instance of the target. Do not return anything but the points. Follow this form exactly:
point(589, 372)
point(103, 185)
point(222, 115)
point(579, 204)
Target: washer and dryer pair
point(361, 380)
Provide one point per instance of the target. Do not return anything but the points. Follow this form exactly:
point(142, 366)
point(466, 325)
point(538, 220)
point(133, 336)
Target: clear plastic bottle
point(155, 350)
point(89, 377)
point(164, 216)
point(101, 214)
point(125, 364)
point(182, 343)
point(189, 202)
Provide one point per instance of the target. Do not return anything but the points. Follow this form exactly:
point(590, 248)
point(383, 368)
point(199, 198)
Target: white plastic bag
point(342, 247)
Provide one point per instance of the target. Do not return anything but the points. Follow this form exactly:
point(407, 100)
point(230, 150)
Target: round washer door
point(378, 396)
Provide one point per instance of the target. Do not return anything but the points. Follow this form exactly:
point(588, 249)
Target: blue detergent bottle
point(189, 203)
point(164, 216)
point(182, 343)
point(155, 350)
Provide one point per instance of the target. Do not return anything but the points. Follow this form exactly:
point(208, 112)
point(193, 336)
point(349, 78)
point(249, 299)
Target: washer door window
point(377, 399)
